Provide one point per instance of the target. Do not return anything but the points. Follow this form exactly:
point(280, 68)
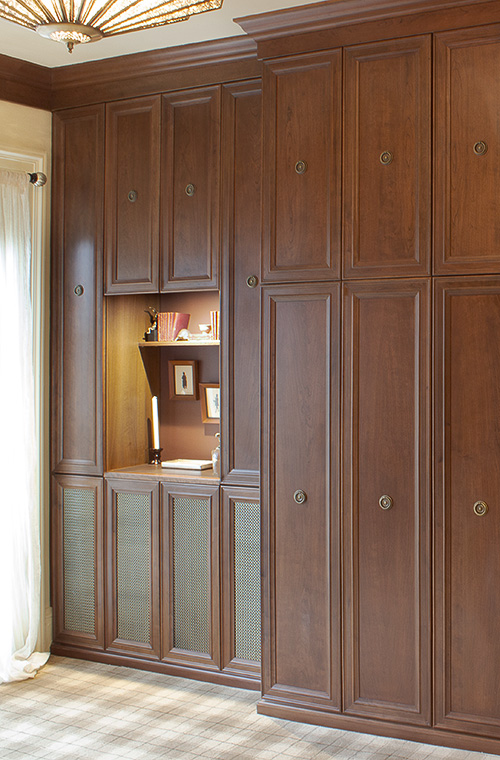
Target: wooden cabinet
point(302, 156)
point(190, 189)
point(300, 498)
point(132, 195)
point(467, 151)
point(240, 581)
point(76, 296)
point(387, 177)
point(77, 561)
point(133, 557)
point(241, 203)
point(467, 484)
point(386, 500)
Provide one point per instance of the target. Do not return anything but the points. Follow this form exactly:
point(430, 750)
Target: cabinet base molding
point(197, 674)
point(342, 722)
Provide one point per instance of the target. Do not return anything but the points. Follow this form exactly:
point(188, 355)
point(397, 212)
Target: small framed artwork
point(183, 380)
point(210, 402)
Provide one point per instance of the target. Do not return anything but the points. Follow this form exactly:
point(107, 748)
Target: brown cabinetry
point(190, 189)
point(76, 340)
point(302, 155)
point(387, 178)
point(300, 498)
point(467, 151)
point(386, 500)
point(467, 483)
point(132, 195)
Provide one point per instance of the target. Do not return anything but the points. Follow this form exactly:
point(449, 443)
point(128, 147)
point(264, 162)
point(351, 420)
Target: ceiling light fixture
point(77, 21)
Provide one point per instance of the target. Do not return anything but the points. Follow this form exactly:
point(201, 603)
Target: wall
point(25, 143)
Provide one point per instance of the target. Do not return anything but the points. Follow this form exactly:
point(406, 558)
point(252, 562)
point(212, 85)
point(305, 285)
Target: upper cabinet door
point(132, 195)
point(76, 295)
point(302, 128)
point(190, 189)
point(467, 151)
point(387, 192)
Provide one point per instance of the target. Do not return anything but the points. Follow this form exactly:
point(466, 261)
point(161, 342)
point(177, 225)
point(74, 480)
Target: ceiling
point(23, 43)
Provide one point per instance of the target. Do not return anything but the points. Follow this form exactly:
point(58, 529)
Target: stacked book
point(170, 323)
point(214, 321)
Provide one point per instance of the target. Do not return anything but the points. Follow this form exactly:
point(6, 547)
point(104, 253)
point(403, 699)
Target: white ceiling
point(23, 43)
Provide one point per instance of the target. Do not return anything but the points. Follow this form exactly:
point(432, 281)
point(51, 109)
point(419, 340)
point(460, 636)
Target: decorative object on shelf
point(183, 379)
point(210, 402)
point(155, 420)
point(151, 333)
point(214, 320)
point(205, 329)
point(74, 23)
point(155, 456)
point(170, 323)
point(187, 464)
point(216, 457)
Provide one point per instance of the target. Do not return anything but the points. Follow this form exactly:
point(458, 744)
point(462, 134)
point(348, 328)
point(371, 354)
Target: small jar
point(216, 457)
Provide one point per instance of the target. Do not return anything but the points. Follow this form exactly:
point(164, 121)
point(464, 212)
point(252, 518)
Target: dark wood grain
point(131, 232)
point(76, 338)
point(467, 470)
point(387, 208)
point(25, 83)
point(240, 304)
point(301, 212)
point(467, 204)
point(386, 452)
point(190, 223)
point(301, 636)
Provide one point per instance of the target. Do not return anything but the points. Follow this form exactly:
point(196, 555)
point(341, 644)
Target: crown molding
point(24, 83)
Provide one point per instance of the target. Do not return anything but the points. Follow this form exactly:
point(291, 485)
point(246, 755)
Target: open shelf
point(146, 344)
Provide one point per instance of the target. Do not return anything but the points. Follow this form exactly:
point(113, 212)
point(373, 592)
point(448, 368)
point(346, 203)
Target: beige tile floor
point(75, 709)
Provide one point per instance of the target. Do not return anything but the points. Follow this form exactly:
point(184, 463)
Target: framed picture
point(183, 380)
point(210, 402)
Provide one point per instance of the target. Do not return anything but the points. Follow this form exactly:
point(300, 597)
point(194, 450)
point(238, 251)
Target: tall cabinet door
point(76, 298)
point(467, 481)
point(190, 190)
point(300, 495)
point(467, 151)
point(386, 500)
point(301, 210)
point(132, 195)
point(387, 134)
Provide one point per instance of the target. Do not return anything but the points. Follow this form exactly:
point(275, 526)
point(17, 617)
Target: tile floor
point(75, 709)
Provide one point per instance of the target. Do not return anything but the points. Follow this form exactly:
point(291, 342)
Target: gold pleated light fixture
point(78, 21)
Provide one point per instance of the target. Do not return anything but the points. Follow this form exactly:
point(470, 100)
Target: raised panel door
point(387, 178)
point(467, 536)
point(386, 500)
point(300, 498)
point(242, 113)
point(467, 151)
point(302, 157)
point(190, 190)
point(132, 189)
point(76, 296)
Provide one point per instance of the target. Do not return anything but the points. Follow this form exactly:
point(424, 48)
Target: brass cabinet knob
point(190, 190)
point(300, 497)
point(386, 157)
point(78, 290)
point(132, 196)
point(480, 508)
point(252, 281)
point(385, 502)
point(480, 148)
point(301, 167)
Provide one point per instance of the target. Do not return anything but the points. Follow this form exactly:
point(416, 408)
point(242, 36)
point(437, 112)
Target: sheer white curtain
point(19, 498)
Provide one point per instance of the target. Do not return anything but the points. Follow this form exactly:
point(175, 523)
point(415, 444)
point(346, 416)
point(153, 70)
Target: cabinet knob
point(301, 167)
point(252, 281)
point(480, 508)
point(386, 157)
point(385, 502)
point(190, 190)
point(132, 196)
point(480, 148)
point(300, 497)
point(78, 290)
